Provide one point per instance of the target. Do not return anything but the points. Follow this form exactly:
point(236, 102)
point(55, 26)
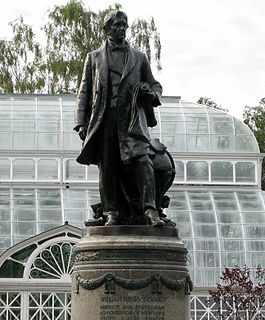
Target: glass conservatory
point(216, 199)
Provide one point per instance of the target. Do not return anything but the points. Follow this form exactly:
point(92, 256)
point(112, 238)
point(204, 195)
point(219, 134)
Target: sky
point(210, 48)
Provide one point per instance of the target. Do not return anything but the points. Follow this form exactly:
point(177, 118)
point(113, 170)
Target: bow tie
point(119, 48)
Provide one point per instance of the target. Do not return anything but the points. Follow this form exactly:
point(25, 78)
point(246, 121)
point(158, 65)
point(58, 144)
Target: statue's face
point(117, 31)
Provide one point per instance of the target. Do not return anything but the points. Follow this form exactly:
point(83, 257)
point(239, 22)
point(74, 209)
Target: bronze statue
point(114, 108)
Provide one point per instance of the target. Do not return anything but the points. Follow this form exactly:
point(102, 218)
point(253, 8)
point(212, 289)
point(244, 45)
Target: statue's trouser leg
point(142, 168)
point(163, 182)
point(109, 163)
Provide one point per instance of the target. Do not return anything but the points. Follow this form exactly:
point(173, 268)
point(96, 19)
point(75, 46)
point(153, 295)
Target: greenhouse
point(45, 196)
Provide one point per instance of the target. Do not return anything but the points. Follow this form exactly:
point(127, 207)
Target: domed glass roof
point(215, 200)
point(222, 228)
point(190, 127)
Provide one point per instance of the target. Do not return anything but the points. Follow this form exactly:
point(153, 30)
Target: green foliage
point(210, 103)
point(71, 32)
point(254, 118)
point(21, 65)
point(144, 35)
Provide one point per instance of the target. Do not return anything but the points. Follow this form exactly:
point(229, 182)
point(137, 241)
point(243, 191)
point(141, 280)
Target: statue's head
point(115, 26)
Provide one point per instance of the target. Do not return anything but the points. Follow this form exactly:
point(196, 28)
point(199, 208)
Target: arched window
point(38, 271)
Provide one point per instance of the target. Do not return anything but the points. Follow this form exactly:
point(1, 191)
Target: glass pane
point(171, 125)
point(205, 277)
point(203, 216)
point(198, 143)
point(24, 228)
point(180, 216)
point(196, 124)
point(205, 230)
point(207, 259)
point(48, 124)
point(5, 228)
point(49, 198)
point(47, 169)
point(246, 143)
point(11, 269)
point(50, 215)
point(74, 170)
point(24, 214)
point(200, 200)
point(4, 169)
point(71, 141)
point(225, 201)
point(250, 201)
point(175, 143)
point(207, 245)
point(178, 201)
point(23, 169)
point(24, 253)
point(222, 127)
point(79, 201)
point(232, 245)
point(222, 171)
point(222, 143)
point(5, 243)
point(256, 258)
point(256, 245)
point(5, 140)
point(24, 140)
point(255, 231)
point(230, 231)
point(24, 198)
point(231, 259)
point(240, 127)
point(254, 217)
point(197, 170)
point(228, 217)
point(47, 226)
point(179, 167)
point(92, 173)
point(245, 172)
point(49, 141)
point(184, 229)
point(76, 215)
point(4, 214)
point(5, 125)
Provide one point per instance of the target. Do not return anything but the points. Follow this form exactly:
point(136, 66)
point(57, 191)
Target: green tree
point(254, 118)
point(21, 64)
point(210, 103)
point(72, 30)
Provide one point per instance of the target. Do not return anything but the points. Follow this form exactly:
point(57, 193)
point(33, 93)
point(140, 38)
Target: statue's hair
point(110, 17)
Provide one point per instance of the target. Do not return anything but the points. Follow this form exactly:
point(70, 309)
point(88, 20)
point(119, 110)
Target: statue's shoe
point(112, 218)
point(153, 218)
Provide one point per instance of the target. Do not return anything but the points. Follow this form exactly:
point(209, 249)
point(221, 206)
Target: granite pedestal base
point(130, 273)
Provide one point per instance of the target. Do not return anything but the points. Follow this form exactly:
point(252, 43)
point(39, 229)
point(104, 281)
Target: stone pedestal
point(130, 273)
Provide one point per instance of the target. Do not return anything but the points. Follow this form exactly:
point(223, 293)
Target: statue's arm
point(84, 99)
point(156, 88)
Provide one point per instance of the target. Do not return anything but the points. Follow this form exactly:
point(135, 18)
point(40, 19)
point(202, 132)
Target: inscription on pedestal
point(132, 308)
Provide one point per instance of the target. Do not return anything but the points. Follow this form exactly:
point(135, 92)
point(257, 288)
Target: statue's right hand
point(82, 132)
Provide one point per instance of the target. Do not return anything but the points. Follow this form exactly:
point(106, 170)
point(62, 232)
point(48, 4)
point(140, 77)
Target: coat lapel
point(131, 62)
point(102, 64)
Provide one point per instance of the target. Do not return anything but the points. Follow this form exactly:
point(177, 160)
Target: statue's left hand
point(149, 95)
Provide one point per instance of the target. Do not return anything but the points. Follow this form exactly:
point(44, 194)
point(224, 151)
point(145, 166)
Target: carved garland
point(155, 280)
